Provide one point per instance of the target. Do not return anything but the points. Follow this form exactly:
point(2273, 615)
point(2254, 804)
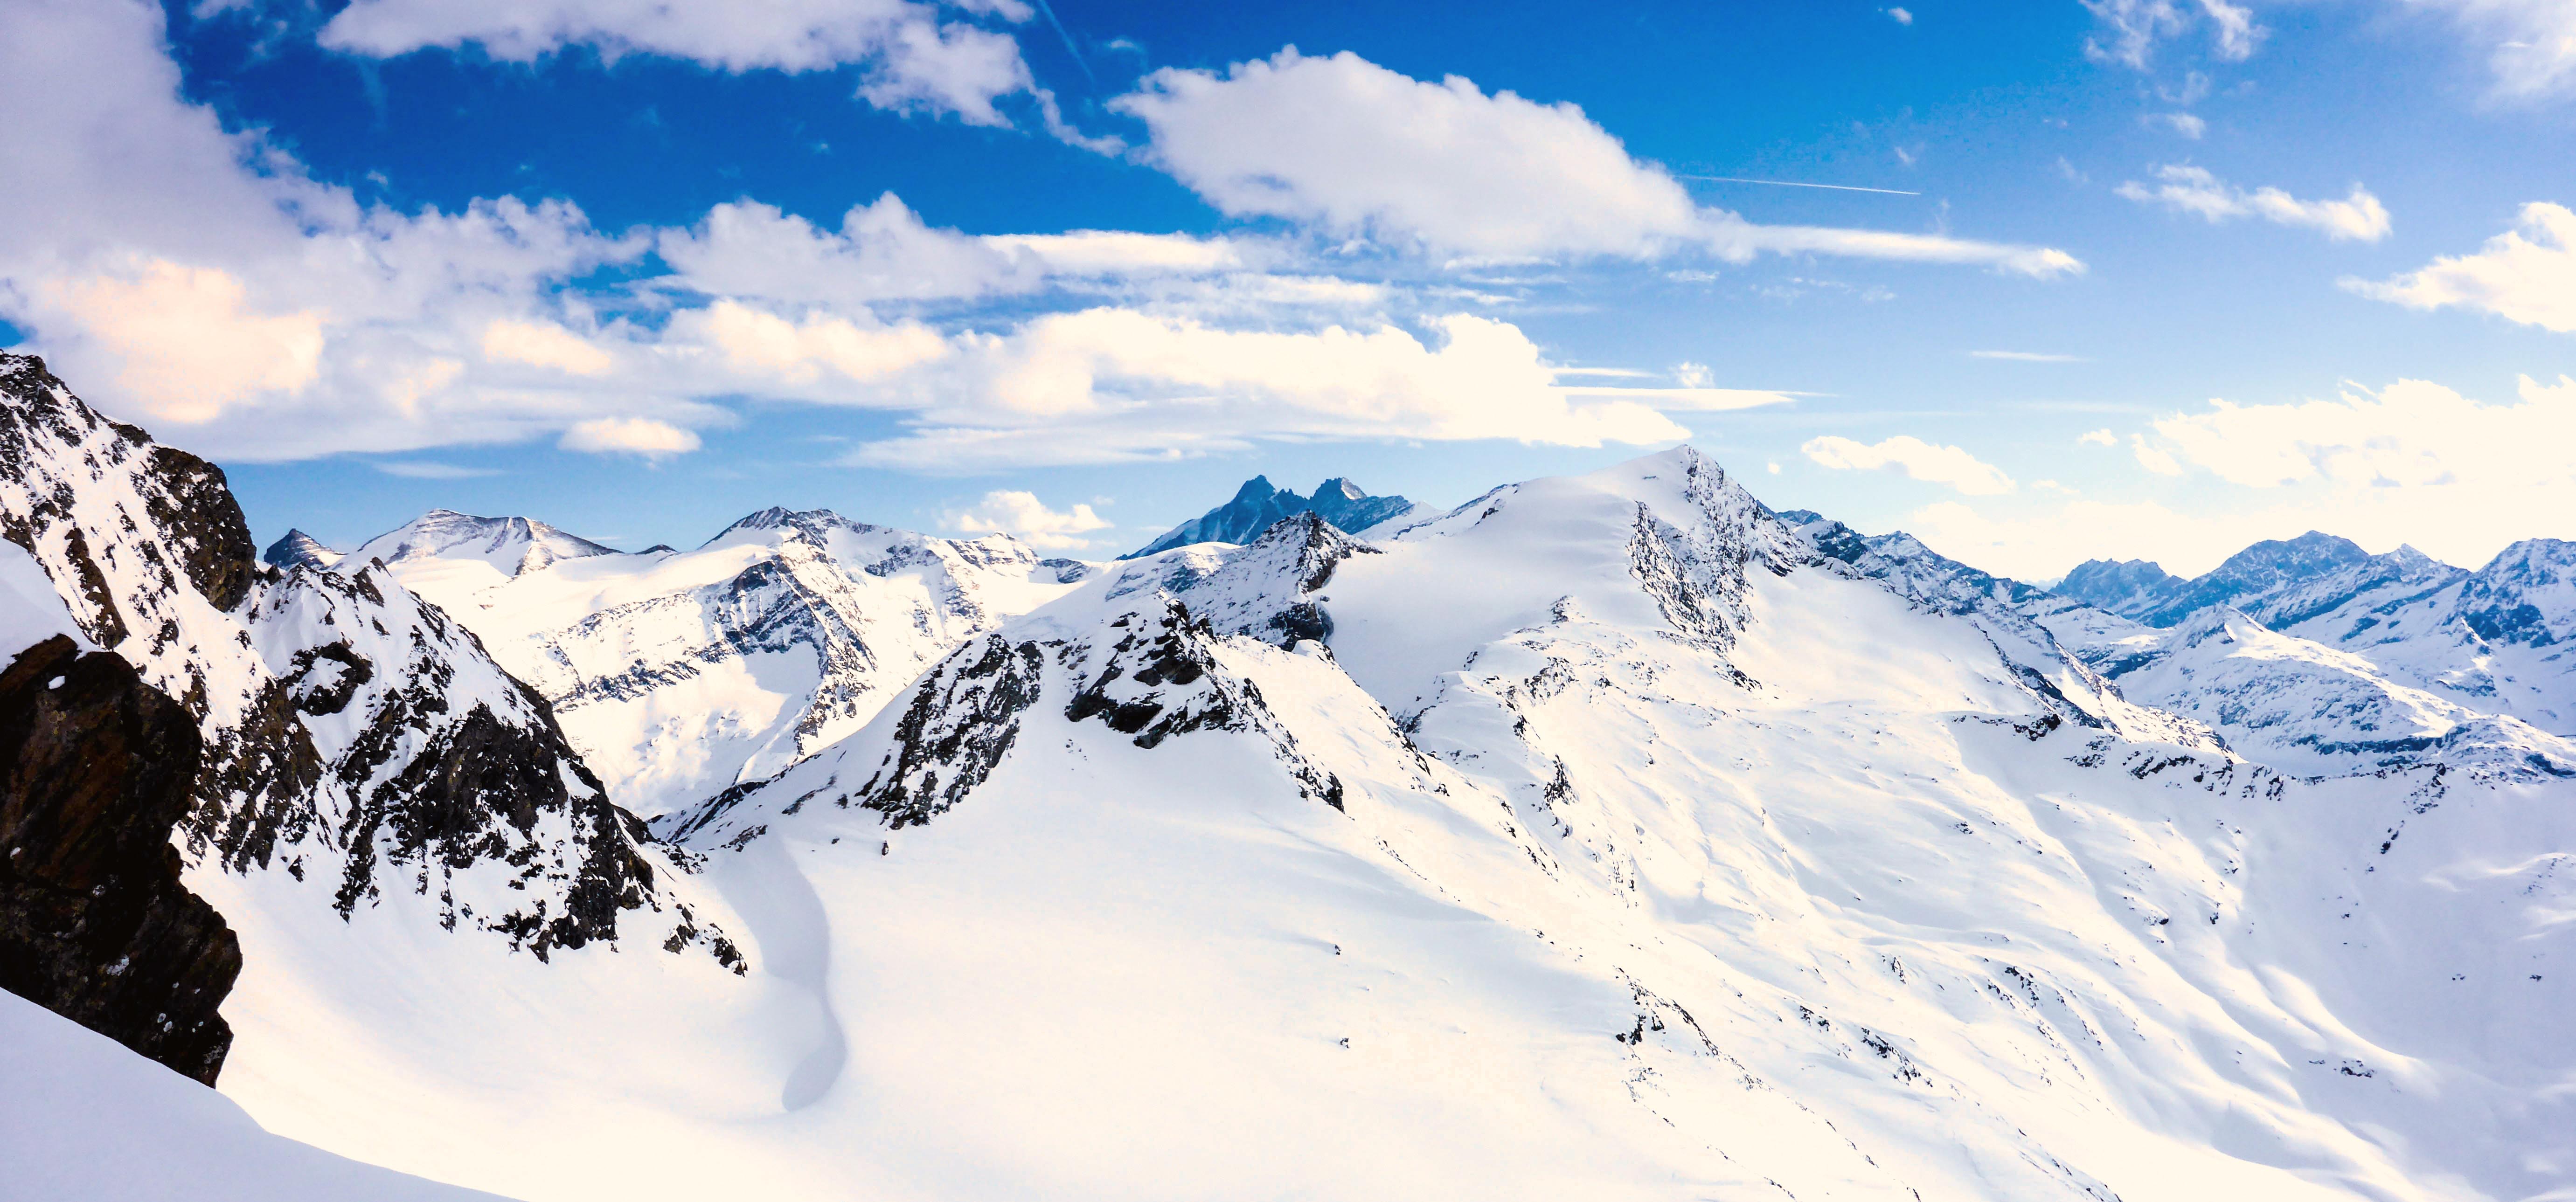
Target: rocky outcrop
point(350, 731)
point(95, 768)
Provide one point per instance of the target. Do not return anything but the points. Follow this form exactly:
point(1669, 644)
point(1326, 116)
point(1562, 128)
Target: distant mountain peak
point(1259, 505)
point(299, 550)
point(510, 544)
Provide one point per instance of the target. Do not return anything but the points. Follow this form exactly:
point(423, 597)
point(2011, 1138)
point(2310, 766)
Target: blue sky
point(2141, 277)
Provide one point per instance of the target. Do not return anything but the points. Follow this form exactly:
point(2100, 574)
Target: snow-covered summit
point(296, 549)
point(508, 545)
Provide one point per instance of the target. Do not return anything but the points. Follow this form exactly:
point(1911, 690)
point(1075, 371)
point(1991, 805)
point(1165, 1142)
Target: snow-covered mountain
point(2307, 708)
point(362, 756)
point(453, 551)
point(1607, 836)
point(2497, 639)
point(2314, 577)
point(680, 674)
point(1259, 505)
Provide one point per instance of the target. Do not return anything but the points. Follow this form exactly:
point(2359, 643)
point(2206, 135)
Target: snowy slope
point(679, 674)
point(2497, 640)
point(84, 1118)
point(1616, 842)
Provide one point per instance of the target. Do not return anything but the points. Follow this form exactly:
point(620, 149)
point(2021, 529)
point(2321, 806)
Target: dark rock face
point(1259, 505)
point(95, 769)
point(961, 722)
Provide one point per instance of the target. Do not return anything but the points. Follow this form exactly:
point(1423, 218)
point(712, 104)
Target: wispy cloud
point(2027, 356)
point(2186, 189)
point(424, 469)
point(1928, 462)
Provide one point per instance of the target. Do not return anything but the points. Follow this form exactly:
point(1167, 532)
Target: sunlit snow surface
point(1668, 863)
point(86, 1119)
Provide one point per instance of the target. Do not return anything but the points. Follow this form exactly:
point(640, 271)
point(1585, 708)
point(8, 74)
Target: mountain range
point(1612, 835)
point(1259, 505)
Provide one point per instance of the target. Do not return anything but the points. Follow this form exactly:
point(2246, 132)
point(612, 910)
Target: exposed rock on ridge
point(95, 768)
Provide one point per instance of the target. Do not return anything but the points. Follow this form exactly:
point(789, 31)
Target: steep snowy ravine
point(1616, 847)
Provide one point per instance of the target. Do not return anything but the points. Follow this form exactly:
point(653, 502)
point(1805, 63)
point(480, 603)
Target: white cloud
point(2535, 43)
point(2025, 356)
point(629, 436)
point(544, 344)
point(187, 344)
point(2413, 463)
point(1350, 146)
point(1115, 385)
point(2526, 274)
point(2187, 189)
point(2132, 29)
point(424, 469)
point(1921, 460)
point(911, 58)
point(1900, 16)
point(885, 252)
point(2098, 438)
point(2154, 458)
point(1355, 149)
point(1022, 516)
point(2186, 124)
point(2410, 435)
point(799, 353)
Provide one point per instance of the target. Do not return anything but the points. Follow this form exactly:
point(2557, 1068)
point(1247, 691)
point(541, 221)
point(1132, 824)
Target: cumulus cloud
point(1921, 460)
point(1350, 147)
point(2526, 274)
point(211, 283)
point(912, 58)
point(883, 251)
point(2131, 29)
point(629, 436)
point(2098, 438)
point(2411, 434)
point(185, 339)
point(1022, 516)
point(807, 351)
point(2186, 189)
point(1115, 385)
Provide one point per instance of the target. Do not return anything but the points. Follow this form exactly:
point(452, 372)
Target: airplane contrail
point(1790, 183)
point(1049, 10)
